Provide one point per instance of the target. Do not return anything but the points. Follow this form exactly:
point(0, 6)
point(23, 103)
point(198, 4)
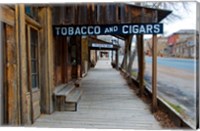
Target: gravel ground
point(176, 86)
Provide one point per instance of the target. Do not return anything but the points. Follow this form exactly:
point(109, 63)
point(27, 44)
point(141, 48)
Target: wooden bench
point(66, 97)
point(73, 98)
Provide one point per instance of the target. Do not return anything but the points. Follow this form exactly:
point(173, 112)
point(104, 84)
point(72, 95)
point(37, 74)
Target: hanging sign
point(118, 29)
point(102, 45)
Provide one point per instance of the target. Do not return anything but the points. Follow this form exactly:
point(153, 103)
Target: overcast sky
point(188, 20)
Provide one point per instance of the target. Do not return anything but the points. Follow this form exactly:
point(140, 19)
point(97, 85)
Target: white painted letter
point(149, 29)
point(90, 32)
point(123, 29)
point(82, 30)
point(57, 30)
point(97, 30)
point(70, 30)
point(135, 29)
point(77, 31)
point(156, 28)
point(63, 31)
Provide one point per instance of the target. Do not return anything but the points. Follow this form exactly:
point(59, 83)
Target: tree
point(174, 6)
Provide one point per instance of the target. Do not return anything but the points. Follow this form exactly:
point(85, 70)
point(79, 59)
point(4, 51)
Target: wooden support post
point(129, 43)
point(89, 59)
point(141, 77)
point(131, 59)
point(154, 74)
point(22, 62)
point(117, 59)
point(1, 75)
point(95, 55)
point(127, 52)
point(140, 48)
point(124, 62)
point(112, 56)
point(138, 54)
point(47, 64)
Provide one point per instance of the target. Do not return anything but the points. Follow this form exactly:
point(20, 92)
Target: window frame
point(30, 59)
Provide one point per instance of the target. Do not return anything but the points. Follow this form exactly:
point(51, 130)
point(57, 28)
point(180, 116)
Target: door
point(34, 92)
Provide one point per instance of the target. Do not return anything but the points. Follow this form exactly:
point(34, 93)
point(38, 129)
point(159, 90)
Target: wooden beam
point(126, 50)
point(112, 56)
point(132, 57)
point(1, 75)
point(47, 63)
point(89, 58)
point(129, 51)
point(142, 66)
point(140, 48)
point(33, 22)
point(154, 74)
point(117, 59)
point(7, 15)
point(22, 62)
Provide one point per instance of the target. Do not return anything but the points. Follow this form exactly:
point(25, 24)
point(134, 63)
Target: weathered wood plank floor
point(107, 102)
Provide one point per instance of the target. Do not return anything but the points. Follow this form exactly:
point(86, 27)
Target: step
point(58, 88)
point(74, 96)
point(66, 90)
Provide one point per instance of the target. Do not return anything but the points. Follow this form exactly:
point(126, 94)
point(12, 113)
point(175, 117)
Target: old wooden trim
point(154, 73)
point(29, 78)
point(7, 15)
point(33, 22)
point(20, 20)
point(140, 50)
point(127, 52)
point(117, 59)
point(129, 66)
point(142, 66)
point(1, 74)
point(19, 111)
point(46, 61)
point(131, 60)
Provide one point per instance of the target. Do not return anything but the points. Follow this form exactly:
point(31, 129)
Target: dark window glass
point(34, 57)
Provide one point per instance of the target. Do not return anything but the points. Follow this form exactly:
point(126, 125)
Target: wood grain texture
point(107, 102)
point(154, 74)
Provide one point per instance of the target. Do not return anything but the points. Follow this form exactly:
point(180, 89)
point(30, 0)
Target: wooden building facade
point(35, 62)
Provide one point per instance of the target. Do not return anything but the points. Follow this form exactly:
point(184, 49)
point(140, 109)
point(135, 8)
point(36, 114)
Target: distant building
point(182, 44)
point(161, 46)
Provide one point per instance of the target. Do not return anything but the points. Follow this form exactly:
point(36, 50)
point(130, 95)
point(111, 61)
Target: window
point(32, 12)
point(34, 57)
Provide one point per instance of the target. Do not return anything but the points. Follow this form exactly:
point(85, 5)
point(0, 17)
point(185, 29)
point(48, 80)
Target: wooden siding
point(104, 13)
point(10, 85)
point(84, 51)
point(7, 15)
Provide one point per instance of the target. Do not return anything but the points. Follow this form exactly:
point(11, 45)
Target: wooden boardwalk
point(107, 103)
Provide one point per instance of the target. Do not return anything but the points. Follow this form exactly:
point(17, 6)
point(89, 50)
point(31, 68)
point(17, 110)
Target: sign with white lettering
point(119, 29)
point(102, 45)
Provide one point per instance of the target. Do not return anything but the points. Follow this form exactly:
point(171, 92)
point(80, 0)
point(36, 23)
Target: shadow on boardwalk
point(107, 103)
